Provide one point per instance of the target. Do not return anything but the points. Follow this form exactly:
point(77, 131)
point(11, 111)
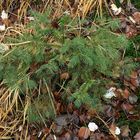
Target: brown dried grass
point(75, 8)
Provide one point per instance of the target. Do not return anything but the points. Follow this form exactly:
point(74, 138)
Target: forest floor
point(118, 115)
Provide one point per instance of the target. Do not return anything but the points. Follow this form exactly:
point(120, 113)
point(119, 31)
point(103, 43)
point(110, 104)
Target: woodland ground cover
point(70, 73)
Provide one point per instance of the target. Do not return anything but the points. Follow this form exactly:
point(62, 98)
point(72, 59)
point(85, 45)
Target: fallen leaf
point(46, 130)
point(127, 107)
point(110, 93)
point(126, 93)
point(61, 122)
point(137, 136)
point(66, 136)
point(133, 98)
point(125, 131)
point(84, 133)
point(4, 15)
point(2, 27)
point(115, 9)
point(136, 17)
point(133, 77)
point(131, 31)
point(64, 76)
point(75, 118)
point(98, 136)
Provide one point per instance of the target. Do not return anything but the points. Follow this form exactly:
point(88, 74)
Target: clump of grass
point(11, 113)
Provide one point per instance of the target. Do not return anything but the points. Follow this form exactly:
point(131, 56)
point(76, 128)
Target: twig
point(107, 126)
point(15, 44)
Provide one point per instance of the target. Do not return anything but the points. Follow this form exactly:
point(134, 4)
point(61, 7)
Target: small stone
point(117, 131)
point(92, 126)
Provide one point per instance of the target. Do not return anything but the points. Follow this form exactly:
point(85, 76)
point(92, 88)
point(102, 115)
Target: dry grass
point(11, 114)
point(79, 8)
point(75, 8)
point(12, 107)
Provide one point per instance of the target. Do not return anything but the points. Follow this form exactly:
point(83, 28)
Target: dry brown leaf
point(136, 16)
point(64, 76)
point(98, 136)
point(126, 93)
point(46, 130)
point(133, 78)
point(66, 136)
point(127, 107)
point(131, 31)
point(137, 136)
point(84, 133)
